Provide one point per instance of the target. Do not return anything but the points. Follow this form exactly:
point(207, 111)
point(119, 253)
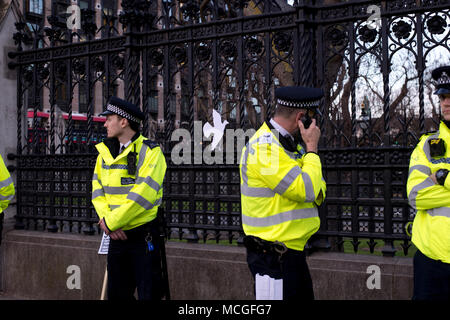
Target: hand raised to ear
point(310, 136)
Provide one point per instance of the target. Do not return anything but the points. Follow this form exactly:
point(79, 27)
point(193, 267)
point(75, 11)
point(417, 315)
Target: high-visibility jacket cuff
point(106, 225)
point(312, 155)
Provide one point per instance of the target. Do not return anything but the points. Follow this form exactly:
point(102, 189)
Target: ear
point(123, 122)
point(299, 115)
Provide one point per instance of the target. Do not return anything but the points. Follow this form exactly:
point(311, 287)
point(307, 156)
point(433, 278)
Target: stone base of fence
point(41, 265)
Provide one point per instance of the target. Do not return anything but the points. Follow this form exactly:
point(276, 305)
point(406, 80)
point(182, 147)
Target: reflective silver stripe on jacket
point(97, 193)
point(244, 165)
point(150, 182)
point(287, 180)
point(6, 198)
point(147, 205)
point(309, 189)
point(419, 167)
point(441, 212)
point(284, 183)
point(142, 153)
point(256, 192)
point(95, 178)
point(281, 217)
point(414, 191)
point(6, 182)
point(117, 190)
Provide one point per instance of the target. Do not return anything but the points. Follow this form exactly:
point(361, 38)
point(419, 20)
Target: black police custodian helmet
point(441, 77)
point(124, 109)
point(299, 97)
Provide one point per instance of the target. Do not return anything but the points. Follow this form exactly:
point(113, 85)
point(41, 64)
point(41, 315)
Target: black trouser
point(291, 267)
point(131, 265)
point(1, 226)
point(431, 278)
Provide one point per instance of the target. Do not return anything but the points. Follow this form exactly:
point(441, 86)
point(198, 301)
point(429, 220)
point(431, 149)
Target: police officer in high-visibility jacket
point(126, 193)
point(281, 187)
point(428, 190)
point(7, 192)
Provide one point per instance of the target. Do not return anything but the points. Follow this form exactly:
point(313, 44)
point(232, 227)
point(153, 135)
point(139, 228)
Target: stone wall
point(37, 265)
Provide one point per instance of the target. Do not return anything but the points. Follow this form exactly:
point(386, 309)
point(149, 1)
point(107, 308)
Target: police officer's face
point(114, 125)
point(445, 106)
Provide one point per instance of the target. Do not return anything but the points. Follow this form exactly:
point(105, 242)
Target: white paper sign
point(104, 245)
point(268, 288)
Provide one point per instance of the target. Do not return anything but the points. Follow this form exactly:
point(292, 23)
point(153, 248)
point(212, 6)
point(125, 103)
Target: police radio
point(306, 121)
point(307, 118)
point(131, 159)
point(437, 147)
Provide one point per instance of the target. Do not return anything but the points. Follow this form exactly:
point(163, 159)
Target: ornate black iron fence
point(181, 60)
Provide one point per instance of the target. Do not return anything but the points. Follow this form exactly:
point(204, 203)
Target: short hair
point(286, 112)
point(133, 125)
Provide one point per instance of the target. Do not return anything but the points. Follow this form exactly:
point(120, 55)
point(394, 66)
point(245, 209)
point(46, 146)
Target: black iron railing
point(371, 58)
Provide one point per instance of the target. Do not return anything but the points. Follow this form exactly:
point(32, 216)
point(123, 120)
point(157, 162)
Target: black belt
point(263, 246)
point(142, 230)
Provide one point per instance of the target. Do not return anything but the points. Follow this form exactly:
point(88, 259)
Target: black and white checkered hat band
point(121, 113)
point(303, 104)
point(443, 79)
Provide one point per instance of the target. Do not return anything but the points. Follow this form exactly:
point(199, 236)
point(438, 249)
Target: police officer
point(7, 192)
point(428, 190)
point(281, 187)
point(126, 193)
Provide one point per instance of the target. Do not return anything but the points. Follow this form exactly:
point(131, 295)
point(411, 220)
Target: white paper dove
point(217, 130)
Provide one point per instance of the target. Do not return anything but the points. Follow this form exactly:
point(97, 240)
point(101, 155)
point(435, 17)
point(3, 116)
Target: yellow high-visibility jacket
point(280, 190)
point(127, 201)
point(7, 190)
point(431, 226)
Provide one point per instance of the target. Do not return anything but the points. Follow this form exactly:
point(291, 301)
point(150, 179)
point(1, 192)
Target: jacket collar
point(444, 131)
point(286, 142)
point(109, 148)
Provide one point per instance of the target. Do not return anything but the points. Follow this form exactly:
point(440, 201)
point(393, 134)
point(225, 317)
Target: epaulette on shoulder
point(427, 134)
point(151, 144)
